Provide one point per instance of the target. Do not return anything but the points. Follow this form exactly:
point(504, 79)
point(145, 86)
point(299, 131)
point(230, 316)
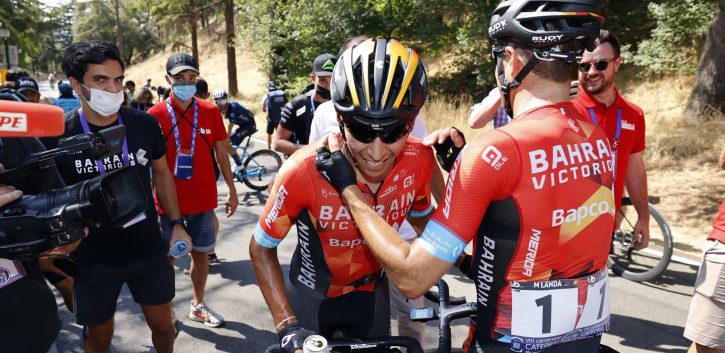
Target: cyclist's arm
point(281, 142)
point(269, 277)
point(230, 126)
point(636, 182)
point(483, 112)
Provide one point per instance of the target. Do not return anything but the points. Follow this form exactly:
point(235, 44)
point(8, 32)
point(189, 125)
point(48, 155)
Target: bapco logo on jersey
point(493, 157)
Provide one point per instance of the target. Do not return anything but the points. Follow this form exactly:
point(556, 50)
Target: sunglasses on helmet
point(366, 130)
point(600, 65)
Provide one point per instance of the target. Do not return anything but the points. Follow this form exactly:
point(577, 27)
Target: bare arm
point(166, 192)
point(281, 142)
point(221, 149)
point(269, 277)
point(230, 126)
point(636, 182)
point(483, 112)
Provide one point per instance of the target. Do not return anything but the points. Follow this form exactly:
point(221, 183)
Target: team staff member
point(111, 257)
point(193, 128)
point(293, 131)
point(513, 192)
point(332, 270)
point(622, 120)
point(704, 321)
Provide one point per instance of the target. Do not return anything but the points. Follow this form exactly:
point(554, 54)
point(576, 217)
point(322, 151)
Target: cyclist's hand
point(334, 166)
point(640, 236)
point(448, 143)
point(292, 337)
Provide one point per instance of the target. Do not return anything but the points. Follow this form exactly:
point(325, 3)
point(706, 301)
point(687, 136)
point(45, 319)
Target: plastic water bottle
point(315, 344)
point(179, 249)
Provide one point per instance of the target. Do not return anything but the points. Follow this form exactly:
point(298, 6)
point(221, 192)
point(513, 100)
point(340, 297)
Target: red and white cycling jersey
point(536, 198)
point(331, 258)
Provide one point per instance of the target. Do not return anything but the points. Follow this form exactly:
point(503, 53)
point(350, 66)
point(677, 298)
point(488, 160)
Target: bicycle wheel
point(645, 264)
point(260, 169)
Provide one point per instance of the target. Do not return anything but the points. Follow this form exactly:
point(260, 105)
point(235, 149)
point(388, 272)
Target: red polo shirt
point(631, 139)
point(718, 226)
point(199, 194)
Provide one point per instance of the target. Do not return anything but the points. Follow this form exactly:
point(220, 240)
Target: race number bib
point(184, 163)
point(10, 271)
point(550, 312)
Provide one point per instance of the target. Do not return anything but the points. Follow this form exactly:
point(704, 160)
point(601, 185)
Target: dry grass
point(681, 154)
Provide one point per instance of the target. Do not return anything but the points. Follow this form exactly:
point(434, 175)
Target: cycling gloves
point(335, 168)
point(292, 337)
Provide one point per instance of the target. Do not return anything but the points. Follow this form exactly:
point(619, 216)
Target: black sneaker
point(213, 259)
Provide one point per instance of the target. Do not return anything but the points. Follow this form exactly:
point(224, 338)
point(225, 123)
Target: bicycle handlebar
point(449, 309)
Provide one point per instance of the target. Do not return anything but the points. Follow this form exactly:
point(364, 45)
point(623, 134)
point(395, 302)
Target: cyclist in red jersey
point(335, 282)
point(535, 197)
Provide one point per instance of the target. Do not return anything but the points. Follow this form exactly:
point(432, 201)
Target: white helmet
point(219, 93)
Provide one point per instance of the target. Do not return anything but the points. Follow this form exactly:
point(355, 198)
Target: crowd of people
point(377, 222)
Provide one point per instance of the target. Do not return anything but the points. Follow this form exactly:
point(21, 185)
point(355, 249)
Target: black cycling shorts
point(271, 125)
point(355, 315)
point(149, 278)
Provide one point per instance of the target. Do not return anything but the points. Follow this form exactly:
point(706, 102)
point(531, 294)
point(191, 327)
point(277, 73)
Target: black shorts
point(238, 136)
point(271, 125)
point(356, 314)
point(150, 280)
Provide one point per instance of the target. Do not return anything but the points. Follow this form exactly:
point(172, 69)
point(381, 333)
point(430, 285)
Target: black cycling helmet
point(540, 24)
point(377, 79)
point(65, 88)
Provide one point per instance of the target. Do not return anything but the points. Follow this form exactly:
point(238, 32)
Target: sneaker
point(212, 258)
point(202, 313)
point(186, 271)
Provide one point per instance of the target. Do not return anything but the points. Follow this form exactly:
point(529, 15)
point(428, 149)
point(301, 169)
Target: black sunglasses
point(600, 65)
point(366, 130)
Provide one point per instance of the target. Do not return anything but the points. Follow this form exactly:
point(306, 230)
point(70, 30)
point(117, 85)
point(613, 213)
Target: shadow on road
point(648, 335)
point(252, 340)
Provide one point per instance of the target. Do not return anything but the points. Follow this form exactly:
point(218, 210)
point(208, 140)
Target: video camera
point(34, 224)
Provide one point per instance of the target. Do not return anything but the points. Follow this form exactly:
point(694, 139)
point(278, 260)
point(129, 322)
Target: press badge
point(184, 163)
point(10, 271)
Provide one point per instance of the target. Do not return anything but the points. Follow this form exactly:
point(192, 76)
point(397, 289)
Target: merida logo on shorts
point(594, 209)
point(563, 163)
point(278, 202)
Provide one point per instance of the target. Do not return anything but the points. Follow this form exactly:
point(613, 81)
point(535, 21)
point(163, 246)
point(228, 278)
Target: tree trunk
point(192, 28)
point(119, 33)
point(231, 49)
point(708, 93)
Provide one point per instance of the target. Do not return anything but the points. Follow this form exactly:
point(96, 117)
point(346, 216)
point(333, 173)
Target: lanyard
point(176, 126)
point(617, 132)
point(87, 129)
point(312, 104)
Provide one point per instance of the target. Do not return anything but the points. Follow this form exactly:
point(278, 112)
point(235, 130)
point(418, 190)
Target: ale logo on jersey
point(493, 157)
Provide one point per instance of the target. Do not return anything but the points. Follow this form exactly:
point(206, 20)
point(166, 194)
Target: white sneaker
point(203, 313)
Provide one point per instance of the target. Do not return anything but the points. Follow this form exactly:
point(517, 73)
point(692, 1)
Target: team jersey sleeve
point(287, 200)
point(486, 170)
point(423, 203)
point(639, 142)
point(289, 115)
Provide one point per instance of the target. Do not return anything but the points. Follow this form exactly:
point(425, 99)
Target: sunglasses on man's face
point(600, 65)
point(366, 130)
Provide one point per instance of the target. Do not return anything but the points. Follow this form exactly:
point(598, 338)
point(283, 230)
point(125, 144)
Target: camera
point(33, 224)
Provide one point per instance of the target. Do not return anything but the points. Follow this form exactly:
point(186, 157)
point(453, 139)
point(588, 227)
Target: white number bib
point(550, 312)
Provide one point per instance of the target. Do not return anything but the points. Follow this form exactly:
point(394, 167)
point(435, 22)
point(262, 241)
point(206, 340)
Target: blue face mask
point(184, 92)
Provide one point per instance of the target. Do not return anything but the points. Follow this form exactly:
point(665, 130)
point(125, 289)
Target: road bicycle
point(646, 264)
point(259, 168)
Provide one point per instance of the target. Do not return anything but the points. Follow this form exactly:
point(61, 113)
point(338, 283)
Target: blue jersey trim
point(441, 242)
point(264, 239)
point(423, 213)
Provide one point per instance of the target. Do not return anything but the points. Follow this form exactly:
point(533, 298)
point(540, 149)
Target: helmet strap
point(506, 86)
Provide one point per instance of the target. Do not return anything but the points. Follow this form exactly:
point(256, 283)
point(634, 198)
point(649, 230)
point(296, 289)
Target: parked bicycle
point(646, 264)
point(259, 168)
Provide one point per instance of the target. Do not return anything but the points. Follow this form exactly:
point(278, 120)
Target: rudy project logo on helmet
point(547, 39)
point(328, 65)
point(497, 27)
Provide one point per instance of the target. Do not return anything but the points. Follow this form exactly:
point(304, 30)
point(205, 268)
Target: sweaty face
point(594, 81)
point(373, 160)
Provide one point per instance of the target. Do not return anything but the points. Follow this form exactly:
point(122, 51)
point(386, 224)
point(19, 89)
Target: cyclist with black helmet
point(534, 196)
point(272, 103)
point(332, 271)
point(66, 100)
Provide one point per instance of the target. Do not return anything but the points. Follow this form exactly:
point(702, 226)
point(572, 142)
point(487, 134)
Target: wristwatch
point(180, 221)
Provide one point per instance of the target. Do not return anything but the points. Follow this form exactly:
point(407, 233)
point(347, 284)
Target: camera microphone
point(21, 119)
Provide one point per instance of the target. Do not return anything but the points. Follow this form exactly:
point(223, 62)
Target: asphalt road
point(646, 317)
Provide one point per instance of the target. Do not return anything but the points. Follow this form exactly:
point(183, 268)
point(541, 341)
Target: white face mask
point(104, 103)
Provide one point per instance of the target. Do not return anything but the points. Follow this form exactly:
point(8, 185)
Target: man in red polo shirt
point(622, 120)
point(704, 322)
point(192, 128)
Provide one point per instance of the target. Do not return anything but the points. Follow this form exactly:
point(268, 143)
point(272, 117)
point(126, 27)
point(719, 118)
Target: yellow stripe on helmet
point(411, 67)
point(349, 74)
point(397, 51)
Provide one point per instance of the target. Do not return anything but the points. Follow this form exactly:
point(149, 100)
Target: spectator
point(67, 101)
point(28, 87)
point(272, 104)
point(144, 100)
